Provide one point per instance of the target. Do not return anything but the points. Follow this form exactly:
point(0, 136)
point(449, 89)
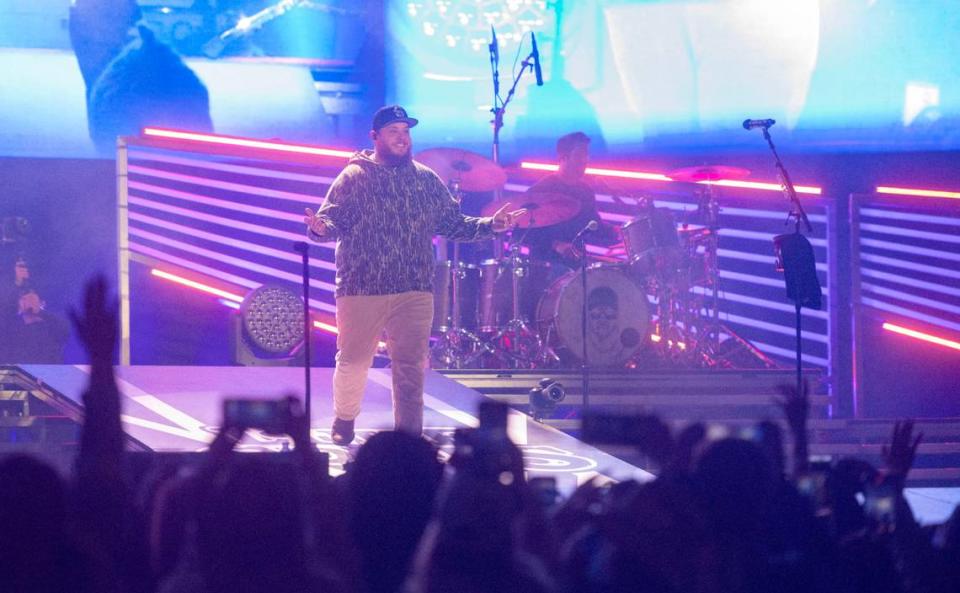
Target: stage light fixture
point(545, 397)
point(270, 328)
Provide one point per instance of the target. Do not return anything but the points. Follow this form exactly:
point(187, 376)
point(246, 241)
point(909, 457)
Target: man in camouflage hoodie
point(383, 210)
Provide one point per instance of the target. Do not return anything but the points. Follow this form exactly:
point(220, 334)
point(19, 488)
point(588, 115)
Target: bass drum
point(618, 316)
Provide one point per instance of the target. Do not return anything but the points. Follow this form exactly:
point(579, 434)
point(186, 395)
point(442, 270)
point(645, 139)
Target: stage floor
point(170, 408)
point(179, 408)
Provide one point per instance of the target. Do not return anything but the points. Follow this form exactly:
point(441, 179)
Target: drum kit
point(651, 300)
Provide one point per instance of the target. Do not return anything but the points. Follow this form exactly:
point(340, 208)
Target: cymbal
point(543, 208)
point(708, 173)
point(474, 172)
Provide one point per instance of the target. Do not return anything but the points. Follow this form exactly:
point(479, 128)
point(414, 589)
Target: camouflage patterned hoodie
point(384, 219)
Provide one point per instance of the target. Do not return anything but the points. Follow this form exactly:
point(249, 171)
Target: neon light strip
point(142, 155)
point(228, 241)
point(600, 172)
point(227, 259)
point(903, 311)
point(907, 281)
point(326, 327)
point(920, 193)
point(197, 285)
point(214, 273)
point(226, 222)
point(243, 188)
point(801, 189)
point(335, 330)
point(902, 232)
point(900, 216)
point(908, 265)
point(900, 247)
point(910, 298)
point(227, 299)
point(921, 336)
point(766, 304)
point(245, 143)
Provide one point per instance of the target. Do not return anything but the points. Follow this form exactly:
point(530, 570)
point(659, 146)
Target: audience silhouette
point(722, 516)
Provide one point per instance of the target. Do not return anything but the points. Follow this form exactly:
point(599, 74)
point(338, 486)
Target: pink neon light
point(334, 330)
point(801, 189)
point(245, 142)
point(912, 333)
point(326, 327)
point(230, 298)
point(196, 285)
point(601, 172)
point(920, 193)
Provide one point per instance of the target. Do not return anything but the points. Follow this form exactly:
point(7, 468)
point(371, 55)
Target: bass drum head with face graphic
point(618, 316)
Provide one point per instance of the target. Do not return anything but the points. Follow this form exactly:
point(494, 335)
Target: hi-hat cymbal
point(543, 208)
point(472, 171)
point(708, 173)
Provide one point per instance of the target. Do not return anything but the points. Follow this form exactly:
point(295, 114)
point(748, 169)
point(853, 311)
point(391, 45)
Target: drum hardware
point(456, 346)
point(516, 342)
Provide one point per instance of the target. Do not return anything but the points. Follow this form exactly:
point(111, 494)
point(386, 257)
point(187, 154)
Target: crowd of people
point(721, 516)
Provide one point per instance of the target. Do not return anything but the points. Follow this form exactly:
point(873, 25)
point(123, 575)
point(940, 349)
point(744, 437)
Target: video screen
point(648, 75)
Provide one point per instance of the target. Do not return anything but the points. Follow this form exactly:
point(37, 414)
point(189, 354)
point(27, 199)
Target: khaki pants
point(407, 318)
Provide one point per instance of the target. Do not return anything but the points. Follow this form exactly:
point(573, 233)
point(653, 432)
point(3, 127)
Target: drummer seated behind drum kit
point(523, 310)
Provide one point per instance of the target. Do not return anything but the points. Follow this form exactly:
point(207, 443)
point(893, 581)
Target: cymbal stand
point(708, 349)
point(516, 341)
point(456, 347)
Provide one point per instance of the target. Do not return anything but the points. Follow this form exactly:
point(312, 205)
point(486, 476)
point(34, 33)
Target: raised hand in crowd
point(796, 408)
point(104, 509)
point(898, 456)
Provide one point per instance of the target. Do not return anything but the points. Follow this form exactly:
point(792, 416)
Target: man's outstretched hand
point(314, 223)
point(97, 324)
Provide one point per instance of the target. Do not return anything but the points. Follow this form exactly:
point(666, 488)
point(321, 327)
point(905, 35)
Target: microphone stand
point(303, 248)
point(798, 214)
point(585, 364)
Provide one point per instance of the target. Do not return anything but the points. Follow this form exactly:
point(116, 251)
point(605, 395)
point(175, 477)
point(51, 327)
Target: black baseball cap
point(390, 114)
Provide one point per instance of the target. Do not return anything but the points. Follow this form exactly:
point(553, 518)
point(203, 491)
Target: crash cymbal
point(543, 208)
point(708, 173)
point(474, 172)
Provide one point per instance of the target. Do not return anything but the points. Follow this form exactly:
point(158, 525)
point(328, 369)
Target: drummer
point(555, 243)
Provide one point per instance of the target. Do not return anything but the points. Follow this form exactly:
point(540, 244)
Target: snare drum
point(617, 316)
point(443, 312)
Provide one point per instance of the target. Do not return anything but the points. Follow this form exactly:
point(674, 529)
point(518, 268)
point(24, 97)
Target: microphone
point(494, 46)
point(749, 124)
point(536, 59)
point(591, 226)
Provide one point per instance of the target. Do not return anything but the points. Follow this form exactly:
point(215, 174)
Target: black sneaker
point(342, 432)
